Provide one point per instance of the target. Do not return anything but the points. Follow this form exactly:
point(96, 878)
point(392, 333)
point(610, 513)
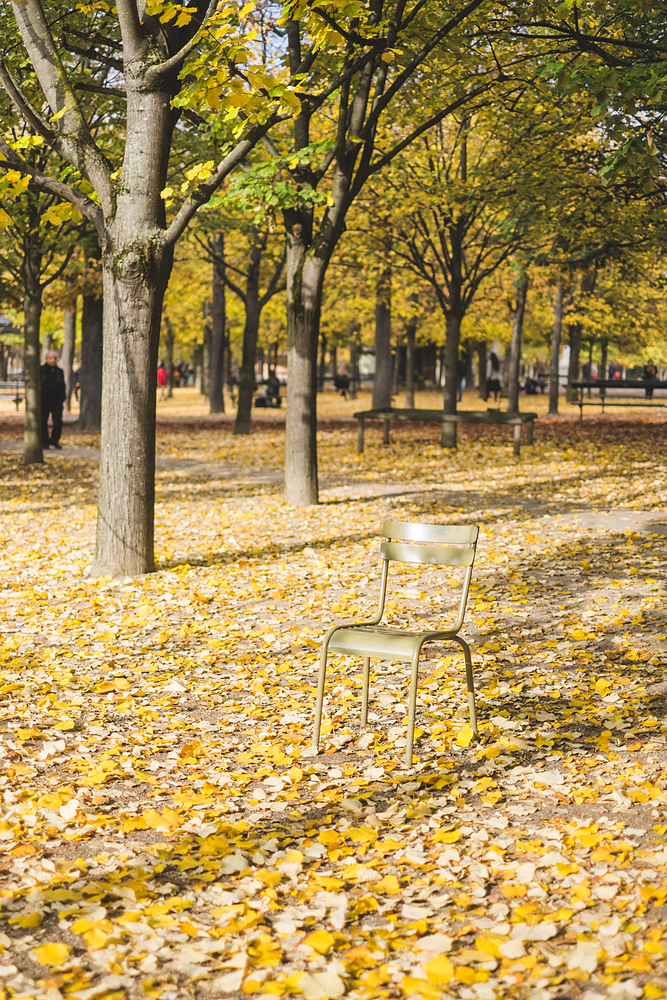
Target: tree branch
point(24, 108)
point(131, 30)
point(92, 53)
point(75, 143)
point(273, 288)
point(153, 73)
point(88, 208)
point(207, 188)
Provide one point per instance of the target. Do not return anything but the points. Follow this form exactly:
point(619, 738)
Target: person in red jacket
point(162, 379)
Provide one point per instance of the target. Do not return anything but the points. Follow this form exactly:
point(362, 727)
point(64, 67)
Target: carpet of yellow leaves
point(166, 831)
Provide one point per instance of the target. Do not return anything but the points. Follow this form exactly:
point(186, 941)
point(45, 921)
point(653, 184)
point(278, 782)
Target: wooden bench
point(449, 422)
point(10, 390)
point(635, 390)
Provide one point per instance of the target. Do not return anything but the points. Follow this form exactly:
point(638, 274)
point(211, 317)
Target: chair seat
point(380, 641)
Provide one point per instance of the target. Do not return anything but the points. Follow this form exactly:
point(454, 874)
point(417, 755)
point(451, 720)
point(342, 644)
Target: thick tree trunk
point(247, 375)
point(305, 277)
point(410, 334)
point(383, 370)
point(515, 348)
point(453, 333)
point(218, 323)
point(574, 330)
point(67, 354)
point(481, 369)
point(90, 377)
point(32, 315)
point(557, 306)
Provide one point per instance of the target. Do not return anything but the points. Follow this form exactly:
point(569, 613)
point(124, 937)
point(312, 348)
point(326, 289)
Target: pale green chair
point(438, 545)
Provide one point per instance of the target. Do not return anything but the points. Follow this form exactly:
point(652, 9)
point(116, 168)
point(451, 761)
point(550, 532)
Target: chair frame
point(455, 545)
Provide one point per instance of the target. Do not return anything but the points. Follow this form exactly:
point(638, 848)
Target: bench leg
point(360, 435)
point(385, 433)
point(364, 691)
point(320, 695)
point(448, 435)
point(529, 431)
point(517, 439)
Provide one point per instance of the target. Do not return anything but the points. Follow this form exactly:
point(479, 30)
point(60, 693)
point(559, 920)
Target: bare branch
point(273, 286)
point(88, 208)
point(97, 88)
point(75, 143)
point(91, 53)
point(153, 73)
point(207, 188)
point(23, 106)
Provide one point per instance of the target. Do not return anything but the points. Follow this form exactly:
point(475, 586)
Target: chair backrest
point(447, 545)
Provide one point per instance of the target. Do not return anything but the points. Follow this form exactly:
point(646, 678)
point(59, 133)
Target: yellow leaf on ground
point(52, 954)
point(439, 970)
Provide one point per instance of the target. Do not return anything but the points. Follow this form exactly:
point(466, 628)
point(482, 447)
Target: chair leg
point(471, 685)
point(412, 708)
point(364, 692)
point(320, 696)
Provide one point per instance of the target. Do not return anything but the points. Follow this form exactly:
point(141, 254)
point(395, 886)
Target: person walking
point(649, 376)
point(493, 377)
point(53, 395)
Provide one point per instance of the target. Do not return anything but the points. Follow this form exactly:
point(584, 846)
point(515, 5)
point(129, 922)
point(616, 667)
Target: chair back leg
point(412, 707)
point(320, 695)
point(471, 684)
point(364, 692)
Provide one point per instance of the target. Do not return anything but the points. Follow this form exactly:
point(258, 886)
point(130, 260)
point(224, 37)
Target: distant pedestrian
point(461, 374)
point(650, 374)
point(53, 394)
point(162, 379)
point(493, 377)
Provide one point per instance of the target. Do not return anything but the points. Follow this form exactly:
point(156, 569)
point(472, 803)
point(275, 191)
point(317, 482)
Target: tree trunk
point(481, 368)
point(90, 376)
point(218, 323)
point(45, 348)
point(557, 306)
point(32, 315)
point(354, 366)
point(322, 365)
point(169, 344)
point(574, 330)
point(515, 348)
point(247, 382)
point(305, 277)
point(410, 334)
point(3, 363)
point(383, 371)
point(206, 360)
point(67, 354)
point(333, 358)
point(453, 333)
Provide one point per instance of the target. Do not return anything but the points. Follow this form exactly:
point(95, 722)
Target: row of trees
point(449, 140)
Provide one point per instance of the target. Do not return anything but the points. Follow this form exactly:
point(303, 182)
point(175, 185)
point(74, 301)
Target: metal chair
point(446, 545)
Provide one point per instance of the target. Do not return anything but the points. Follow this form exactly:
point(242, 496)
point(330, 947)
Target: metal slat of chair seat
point(434, 555)
point(452, 534)
point(390, 644)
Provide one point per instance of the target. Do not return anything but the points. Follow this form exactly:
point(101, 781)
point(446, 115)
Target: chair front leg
point(320, 693)
point(412, 707)
point(471, 684)
point(364, 692)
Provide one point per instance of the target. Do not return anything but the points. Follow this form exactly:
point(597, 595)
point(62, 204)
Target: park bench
point(632, 389)
point(11, 390)
point(515, 420)
point(446, 545)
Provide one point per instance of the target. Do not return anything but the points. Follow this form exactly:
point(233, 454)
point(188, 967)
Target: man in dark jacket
point(53, 397)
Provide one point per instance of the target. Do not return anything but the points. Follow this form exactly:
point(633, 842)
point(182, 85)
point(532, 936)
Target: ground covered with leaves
point(166, 830)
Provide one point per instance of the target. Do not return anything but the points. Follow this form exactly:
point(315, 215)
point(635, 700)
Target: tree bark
point(518, 313)
point(218, 324)
point(305, 277)
point(410, 335)
point(32, 315)
point(206, 360)
point(322, 365)
point(481, 368)
point(90, 376)
point(169, 344)
point(574, 330)
point(247, 382)
point(383, 369)
point(557, 306)
point(3, 363)
point(354, 365)
point(67, 354)
point(452, 336)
